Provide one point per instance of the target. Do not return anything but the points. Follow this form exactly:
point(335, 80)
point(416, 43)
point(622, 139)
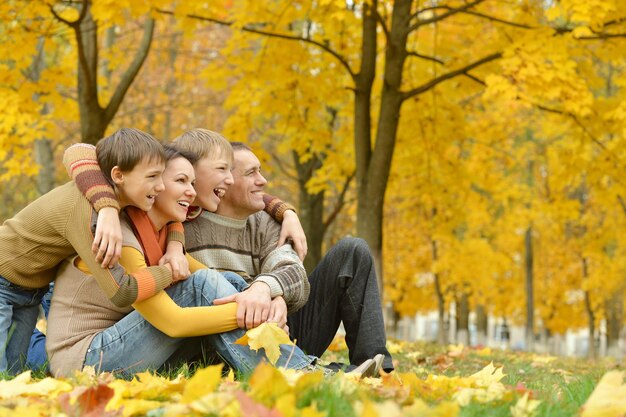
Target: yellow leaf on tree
point(267, 336)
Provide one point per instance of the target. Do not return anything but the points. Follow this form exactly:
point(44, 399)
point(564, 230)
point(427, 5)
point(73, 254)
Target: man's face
point(213, 178)
point(139, 186)
point(245, 196)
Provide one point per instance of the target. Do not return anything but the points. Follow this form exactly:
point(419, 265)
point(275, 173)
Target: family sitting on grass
point(163, 255)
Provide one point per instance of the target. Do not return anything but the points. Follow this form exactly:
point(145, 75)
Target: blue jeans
point(19, 308)
point(37, 357)
point(134, 345)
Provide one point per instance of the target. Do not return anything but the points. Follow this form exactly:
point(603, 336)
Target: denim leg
point(18, 316)
point(37, 357)
point(235, 280)
point(343, 288)
point(134, 345)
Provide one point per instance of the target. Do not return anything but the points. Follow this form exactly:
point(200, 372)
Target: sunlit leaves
point(267, 336)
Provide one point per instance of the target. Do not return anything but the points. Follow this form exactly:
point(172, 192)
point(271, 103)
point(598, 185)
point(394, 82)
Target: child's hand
point(107, 241)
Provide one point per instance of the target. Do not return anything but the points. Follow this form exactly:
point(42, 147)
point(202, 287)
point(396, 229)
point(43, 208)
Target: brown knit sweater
point(58, 225)
point(78, 312)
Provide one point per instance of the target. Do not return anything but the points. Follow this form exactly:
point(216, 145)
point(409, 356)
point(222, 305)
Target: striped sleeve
point(176, 233)
point(275, 207)
point(121, 287)
point(82, 166)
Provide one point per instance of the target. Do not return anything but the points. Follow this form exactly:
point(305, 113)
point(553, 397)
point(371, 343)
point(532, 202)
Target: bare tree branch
point(131, 72)
point(445, 15)
point(424, 10)
point(382, 23)
point(621, 202)
point(283, 168)
point(593, 138)
point(600, 35)
point(341, 200)
point(81, 16)
point(496, 19)
point(473, 78)
point(432, 83)
point(429, 58)
point(250, 29)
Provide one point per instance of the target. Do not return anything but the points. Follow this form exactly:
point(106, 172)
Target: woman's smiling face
point(172, 203)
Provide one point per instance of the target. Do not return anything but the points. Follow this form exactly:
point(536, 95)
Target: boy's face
point(213, 177)
point(139, 186)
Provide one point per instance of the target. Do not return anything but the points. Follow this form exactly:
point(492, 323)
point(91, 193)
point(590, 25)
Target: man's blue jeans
point(19, 308)
point(134, 345)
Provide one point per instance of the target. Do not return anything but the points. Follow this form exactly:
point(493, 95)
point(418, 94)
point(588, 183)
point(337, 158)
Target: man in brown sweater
point(343, 288)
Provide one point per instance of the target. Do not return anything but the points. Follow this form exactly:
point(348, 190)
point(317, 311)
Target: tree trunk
point(462, 320)
point(95, 118)
point(442, 328)
point(171, 87)
point(530, 310)
point(311, 211)
point(614, 319)
point(373, 171)
point(592, 352)
point(92, 123)
point(44, 156)
point(481, 325)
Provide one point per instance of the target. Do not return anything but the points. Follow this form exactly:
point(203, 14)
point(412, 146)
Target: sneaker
point(319, 368)
point(365, 370)
point(378, 359)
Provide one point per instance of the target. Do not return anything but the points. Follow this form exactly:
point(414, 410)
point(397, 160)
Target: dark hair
point(172, 152)
point(240, 146)
point(126, 148)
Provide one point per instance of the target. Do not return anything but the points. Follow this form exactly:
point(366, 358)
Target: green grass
point(562, 385)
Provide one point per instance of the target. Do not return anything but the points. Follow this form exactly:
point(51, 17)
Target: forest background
point(478, 146)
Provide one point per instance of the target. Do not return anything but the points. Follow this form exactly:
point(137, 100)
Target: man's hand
point(176, 260)
point(278, 313)
point(292, 230)
point(253, 305)
point(107, 242)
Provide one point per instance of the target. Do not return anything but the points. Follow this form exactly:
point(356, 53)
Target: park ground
point(430, 380)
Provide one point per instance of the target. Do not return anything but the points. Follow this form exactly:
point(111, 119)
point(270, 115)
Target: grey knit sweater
point(249, 248)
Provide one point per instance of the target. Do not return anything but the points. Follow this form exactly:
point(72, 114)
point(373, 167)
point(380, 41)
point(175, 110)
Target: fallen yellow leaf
point(608, 399)
point(267, 336)
point(22, 385)
point(204, 381)
point(488, 375)
point(525, 407)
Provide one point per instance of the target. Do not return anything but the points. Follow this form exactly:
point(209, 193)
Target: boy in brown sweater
point(61, 224)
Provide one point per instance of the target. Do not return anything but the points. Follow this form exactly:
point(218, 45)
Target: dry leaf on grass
point(267, 336)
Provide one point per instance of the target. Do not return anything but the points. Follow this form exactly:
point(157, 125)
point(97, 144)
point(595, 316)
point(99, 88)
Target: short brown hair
point(126, 148)
point(204, 143)
point(240, 146)
point(172, 152)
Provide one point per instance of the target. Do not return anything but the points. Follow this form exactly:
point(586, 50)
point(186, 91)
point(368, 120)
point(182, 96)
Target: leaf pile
point(429, 381)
